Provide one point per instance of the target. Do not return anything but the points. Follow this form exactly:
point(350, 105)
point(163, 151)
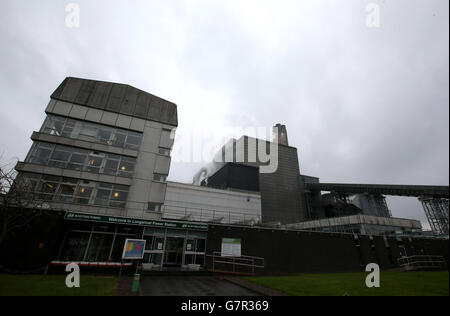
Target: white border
point(125, 247)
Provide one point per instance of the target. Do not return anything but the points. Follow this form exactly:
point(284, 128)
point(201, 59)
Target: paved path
point(124, 287)
point(190, 286)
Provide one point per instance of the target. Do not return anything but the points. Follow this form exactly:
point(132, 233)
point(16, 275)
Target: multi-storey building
point(103, 148)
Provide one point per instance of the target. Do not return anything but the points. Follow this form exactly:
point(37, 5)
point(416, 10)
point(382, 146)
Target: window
point(111, 166)
point(159, 177)
point(149, 242)
point(88, 133)
point(27, 183)
point(95, 162)
point(200, 245)
point(99, 248)
point(69, 190)
point(84, 193)
point(41, 153)
point(81, 159)
point(102, 197)
point(154, 207)
point(126, 166)
point(164, 151)
point(60, 155)
point(119, 140)
point(66, 189)
point(105, 136)
point(74, 246)
point(60, 126)
point(53, 125)
point(77, 161)
point(47, 188)
point(69, 128)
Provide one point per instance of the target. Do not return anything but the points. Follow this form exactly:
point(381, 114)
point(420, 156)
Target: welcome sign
point(134, 221)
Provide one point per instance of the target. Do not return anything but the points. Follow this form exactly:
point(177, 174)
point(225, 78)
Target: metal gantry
point(378, 205)
point(436, 210)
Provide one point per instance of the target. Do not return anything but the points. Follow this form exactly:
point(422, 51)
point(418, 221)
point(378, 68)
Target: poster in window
point(133, 249)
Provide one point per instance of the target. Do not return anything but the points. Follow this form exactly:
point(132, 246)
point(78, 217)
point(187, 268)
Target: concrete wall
point(281, 196)
point(144, 189)
point(289, 251)
point(206, 204)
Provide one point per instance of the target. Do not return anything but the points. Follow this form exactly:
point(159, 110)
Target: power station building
point(99, 165)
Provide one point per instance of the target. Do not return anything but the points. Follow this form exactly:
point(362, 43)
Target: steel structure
point(435, 199)
point(386, 189)
point(378, 205)
point(436, 210)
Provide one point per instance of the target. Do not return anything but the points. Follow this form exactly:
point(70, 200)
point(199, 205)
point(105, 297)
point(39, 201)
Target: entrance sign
point(134, 221)
point(231, 247)
point(133, 249)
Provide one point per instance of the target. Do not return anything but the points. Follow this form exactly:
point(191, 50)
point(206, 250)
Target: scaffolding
point(436, 210)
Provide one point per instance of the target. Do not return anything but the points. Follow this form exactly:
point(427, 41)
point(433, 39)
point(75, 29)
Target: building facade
point(102, 156)
point(104, 148)
point(98, 167)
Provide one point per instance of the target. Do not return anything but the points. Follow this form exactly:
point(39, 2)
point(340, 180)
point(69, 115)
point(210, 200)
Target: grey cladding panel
point(155, 108)
point(100, 96)
point(115, 105)
point(116, 98)
point(70, 90)
point(85, 92)
point(142, 105)
point(129, 101)
point(165, 113)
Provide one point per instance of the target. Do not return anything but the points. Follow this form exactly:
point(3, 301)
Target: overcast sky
point(364, 105)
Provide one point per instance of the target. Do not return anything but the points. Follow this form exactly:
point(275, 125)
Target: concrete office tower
point(280, 135)
point(103, 148)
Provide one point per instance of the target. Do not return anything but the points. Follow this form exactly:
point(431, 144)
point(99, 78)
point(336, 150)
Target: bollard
point(135, 286)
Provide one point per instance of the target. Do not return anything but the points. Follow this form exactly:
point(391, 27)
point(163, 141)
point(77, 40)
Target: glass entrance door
point(173, 255)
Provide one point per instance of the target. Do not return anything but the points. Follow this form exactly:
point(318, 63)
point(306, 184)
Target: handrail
point(234, 261)
point(422, 261)
point(211, 215)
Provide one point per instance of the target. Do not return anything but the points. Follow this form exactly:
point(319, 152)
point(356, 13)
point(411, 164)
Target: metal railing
point(422, 262)
point(210, 215)
point(237, 265)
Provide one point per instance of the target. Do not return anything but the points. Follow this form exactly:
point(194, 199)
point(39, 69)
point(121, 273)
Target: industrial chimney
point(280, 135)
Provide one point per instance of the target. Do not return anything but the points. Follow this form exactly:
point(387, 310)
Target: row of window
point(67, 127)
point(70, 190)
point(103, 247)
point(81, 160)
point(95, 247)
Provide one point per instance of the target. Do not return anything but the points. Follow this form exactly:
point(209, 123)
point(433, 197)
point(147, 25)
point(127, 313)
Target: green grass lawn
point(55, 285)
point(353, 284)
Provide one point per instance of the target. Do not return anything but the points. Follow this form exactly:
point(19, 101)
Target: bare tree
point(18, 207)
